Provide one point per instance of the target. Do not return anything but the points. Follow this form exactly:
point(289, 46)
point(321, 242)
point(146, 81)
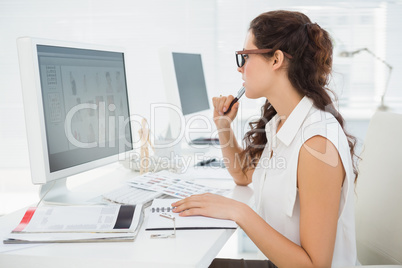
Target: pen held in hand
point(206, 162)
point(239, 94)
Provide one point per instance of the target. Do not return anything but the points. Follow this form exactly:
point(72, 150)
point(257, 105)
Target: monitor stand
point(57, 192)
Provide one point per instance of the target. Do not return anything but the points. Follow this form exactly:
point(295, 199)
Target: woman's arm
point(320, 178)
point(231, 155)
point(227, 140)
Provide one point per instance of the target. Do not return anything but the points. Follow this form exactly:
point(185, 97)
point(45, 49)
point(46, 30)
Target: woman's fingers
point(222, 103)
point(209, 205)
point(192, 212)
point(228, 101)
point(195, 201)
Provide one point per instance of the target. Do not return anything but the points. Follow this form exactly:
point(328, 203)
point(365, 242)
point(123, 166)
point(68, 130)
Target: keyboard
point(130, 195)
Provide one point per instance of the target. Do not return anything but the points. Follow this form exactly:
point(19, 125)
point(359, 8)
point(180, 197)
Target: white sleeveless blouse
point(275, 179)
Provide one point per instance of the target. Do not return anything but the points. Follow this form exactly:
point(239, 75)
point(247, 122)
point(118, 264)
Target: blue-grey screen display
point(85, 104)
point(191, 82)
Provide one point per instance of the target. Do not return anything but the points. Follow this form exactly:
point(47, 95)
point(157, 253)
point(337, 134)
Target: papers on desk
point(172, 185)
point(156, 222)
point(61, 224)
point(35, 238)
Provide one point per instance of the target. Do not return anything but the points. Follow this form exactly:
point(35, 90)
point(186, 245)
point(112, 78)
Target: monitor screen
point(190, 82)
point(84, 96)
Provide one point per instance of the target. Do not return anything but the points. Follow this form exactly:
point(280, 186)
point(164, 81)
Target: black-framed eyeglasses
point(240, 58)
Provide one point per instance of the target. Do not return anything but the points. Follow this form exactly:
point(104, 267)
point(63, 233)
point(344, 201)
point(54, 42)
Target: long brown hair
point(309, 71)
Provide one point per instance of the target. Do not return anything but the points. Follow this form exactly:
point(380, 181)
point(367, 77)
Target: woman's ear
point(278, 59)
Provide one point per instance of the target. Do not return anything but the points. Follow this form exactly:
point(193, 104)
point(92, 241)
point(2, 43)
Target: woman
point(304, 215)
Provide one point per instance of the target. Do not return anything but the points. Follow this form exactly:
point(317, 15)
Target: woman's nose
point(240, 69)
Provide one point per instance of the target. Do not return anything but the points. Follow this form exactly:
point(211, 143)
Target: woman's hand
point(221, 105)
point(209, 205)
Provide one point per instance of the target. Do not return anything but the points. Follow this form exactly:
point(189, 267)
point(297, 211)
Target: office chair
point(379, 192)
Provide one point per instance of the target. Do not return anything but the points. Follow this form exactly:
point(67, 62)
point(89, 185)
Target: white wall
point(215, 27)
point(142, 27)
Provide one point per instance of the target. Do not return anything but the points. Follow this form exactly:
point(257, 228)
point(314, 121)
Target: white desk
point(191, 248)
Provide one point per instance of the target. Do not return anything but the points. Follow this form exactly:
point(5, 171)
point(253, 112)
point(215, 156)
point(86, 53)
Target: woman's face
point(256, 71)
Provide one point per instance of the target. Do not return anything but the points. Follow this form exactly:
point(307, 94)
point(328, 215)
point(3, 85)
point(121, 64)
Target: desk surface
point(191, 248)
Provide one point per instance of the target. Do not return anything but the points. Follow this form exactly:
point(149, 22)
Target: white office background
point(214, 27)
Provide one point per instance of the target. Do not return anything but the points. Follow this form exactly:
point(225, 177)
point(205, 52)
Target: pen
point(206, 162)
point(167, 216)
point(239, 94)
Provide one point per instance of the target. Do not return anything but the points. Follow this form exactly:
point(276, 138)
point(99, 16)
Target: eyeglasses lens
point(240, 60)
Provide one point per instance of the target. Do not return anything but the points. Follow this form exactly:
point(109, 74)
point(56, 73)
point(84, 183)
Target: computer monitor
point(186, 90)
point(76, 110)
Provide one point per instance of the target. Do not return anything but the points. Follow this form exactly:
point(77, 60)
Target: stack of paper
point(62, 224)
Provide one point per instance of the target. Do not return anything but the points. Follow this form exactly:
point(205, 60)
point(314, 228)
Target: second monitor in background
point(190, 82)
point(186, 90)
